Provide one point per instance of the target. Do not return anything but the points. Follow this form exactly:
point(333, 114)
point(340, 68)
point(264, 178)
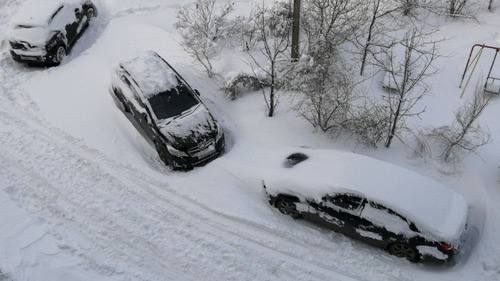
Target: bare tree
point(379, 9)
point(407, 65)
point(202, 26)
point(273, 27)
point(331, 22)
point(464, 135)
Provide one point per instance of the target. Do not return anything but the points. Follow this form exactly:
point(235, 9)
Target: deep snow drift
point(84, 197)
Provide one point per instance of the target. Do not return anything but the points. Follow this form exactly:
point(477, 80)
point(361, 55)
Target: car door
point(339, 212)
point(385, 223)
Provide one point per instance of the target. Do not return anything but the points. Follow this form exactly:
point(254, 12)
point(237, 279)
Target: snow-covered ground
point(84, 197)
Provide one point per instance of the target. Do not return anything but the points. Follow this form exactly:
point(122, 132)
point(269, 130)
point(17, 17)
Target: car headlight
point(175, 152)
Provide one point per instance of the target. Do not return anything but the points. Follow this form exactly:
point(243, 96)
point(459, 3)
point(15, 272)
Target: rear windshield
point(172, 102)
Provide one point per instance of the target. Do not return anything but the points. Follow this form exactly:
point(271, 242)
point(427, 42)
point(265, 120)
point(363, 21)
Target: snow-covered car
point(44, 31)
point(387, 206)
point(167, 111)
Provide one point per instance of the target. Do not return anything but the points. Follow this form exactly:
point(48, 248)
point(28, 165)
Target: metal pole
point(491, 69)
point(489, 5)
point(296, 30)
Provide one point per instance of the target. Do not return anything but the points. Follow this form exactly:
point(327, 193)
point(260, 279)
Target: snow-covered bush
point(369, 124)
point(204, 26)
point(464, 135)
point(243, 83)
point(325, 91)
point(407, 7)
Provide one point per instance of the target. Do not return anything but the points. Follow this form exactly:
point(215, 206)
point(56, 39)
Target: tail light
point(445, 247)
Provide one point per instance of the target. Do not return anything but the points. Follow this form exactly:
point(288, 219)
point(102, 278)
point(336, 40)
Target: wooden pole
point(296, 30)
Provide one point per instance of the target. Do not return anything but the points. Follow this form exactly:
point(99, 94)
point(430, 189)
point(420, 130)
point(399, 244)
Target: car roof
point(427, 203)
point(38, 12)
point(151, 73)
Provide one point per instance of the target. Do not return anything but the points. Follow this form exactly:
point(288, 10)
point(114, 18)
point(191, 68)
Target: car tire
point(404, 250)
point(287, 207)
point(162, 154)
point(59, 55)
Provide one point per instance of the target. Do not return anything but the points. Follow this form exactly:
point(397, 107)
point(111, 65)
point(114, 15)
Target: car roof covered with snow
point(430, 205)
point(151, 73)
point(38, 12)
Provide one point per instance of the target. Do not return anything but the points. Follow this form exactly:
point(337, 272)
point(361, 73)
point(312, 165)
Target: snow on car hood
point(189, 129)
point(435, 209)
point(35, 35)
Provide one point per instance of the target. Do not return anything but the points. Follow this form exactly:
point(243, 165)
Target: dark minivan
point(167, 111)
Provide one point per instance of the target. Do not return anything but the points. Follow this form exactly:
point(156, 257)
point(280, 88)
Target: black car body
point(167, 111)
point(44, 31)
point(349, 211)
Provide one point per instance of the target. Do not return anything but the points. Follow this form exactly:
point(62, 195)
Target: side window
point(345, 201)
point(387, 218)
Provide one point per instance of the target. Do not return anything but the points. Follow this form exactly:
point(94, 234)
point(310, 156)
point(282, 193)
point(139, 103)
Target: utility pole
point(489, 6)
point(296, 30)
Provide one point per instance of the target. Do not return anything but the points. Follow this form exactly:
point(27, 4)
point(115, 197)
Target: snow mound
point(433, 207)
point(151, 74)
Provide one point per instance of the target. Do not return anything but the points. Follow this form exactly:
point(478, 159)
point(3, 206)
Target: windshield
point(172, 102)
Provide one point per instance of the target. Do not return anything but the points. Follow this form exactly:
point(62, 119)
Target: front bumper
point(202, 158)
point(27, 56)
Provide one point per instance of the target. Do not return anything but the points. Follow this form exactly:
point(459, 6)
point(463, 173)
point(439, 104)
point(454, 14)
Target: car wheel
point(162, 153)
point(287, 207)
point(403, 250)
point(59, 55)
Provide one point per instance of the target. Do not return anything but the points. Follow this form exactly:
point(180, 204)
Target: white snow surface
point(432, 206)
point(74, 171)
point(152, 75)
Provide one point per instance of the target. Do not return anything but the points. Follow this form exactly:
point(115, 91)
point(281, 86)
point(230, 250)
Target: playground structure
point(492, 84)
